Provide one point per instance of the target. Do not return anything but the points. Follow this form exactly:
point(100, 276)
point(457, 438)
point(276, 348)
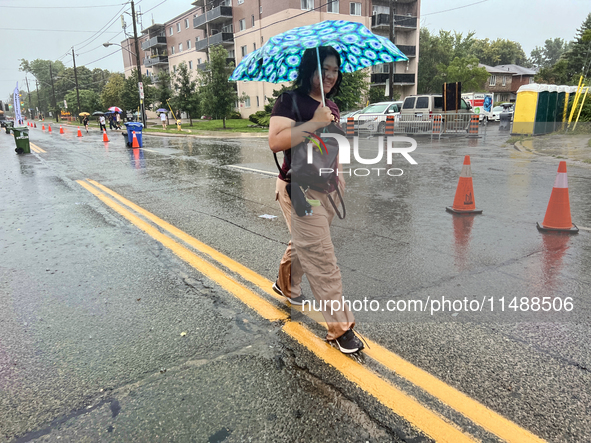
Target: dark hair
point(309, 65)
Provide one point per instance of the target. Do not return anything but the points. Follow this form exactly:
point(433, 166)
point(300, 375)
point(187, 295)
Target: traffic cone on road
point(558, 213)
point(35, 125)
point(79, 132)
point(134, 143)
point(61, 129)
point(464, 199)
point(105, 138)
point(43, 127)
point(48, 128)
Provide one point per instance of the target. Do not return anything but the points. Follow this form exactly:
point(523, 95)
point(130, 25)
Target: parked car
point(496, 112)
point(346, 115)
point(373, 118)
point(417, 113)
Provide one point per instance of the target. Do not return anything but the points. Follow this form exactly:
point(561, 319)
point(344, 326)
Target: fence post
point(473, 128)
point(390, 125)
point(350, 127)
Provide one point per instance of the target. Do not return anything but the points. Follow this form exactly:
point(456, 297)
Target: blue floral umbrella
point(278, 60)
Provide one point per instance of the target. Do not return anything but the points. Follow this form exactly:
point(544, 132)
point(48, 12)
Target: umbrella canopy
point(161, 110)
point(278, 60)
point(98, 113)
point(115, 109)
point(83, 114)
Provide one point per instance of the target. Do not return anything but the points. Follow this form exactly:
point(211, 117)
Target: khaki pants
point(311, 252)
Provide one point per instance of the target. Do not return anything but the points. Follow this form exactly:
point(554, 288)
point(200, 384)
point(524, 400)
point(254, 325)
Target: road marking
point(583, 228)
point(36, 148)
point(260, 171)
point(470, 408)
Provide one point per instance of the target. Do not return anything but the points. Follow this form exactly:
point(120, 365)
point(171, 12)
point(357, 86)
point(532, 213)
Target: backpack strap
point(296, 111)
point(335, 206)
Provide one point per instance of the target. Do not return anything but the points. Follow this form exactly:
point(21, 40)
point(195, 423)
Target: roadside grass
point(515, 139)
point(233, 125)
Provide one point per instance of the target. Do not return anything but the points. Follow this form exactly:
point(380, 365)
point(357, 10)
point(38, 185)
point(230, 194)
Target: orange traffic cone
point(558, 213)
point(79, 132)
point(43, 127)
point(61, 129)
point(134, 143)
point(48, 128)
point(105, 138)
point(464, 199)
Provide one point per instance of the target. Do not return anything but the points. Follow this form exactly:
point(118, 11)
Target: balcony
point(201, 66)
point(222, 38)
point(401, 22)
point(216, 15)
point(154, 41)
point(399, 79)
point(409, 51)
point(155, 61)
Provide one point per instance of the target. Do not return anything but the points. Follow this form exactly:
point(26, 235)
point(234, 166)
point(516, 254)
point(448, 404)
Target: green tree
point(111, 94)
point(186, 98)
point(163, 91)
point(466, 71)
point(40, 70)
point(218, 95)
point(547, 56)
point(499, 52)
point(353, 90)
point(90, 101)
point(130, 94)
point(377, 94)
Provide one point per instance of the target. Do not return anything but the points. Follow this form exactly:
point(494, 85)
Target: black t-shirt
point(307, 106)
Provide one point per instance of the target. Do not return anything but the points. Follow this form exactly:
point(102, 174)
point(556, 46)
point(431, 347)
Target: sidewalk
point(573, 147)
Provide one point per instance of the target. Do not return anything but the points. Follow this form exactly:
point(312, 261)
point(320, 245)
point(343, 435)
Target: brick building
point(505, 80)
point(243, 26)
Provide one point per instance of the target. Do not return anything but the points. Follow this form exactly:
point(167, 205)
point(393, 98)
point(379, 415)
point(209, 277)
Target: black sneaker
point(348, 343)
point(293, 300)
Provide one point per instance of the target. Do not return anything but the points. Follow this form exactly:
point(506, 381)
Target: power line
point(453, 9)
point(145, 12)
point(44, 30)
point(60, 7)
point(103, 29)
point(98, 59)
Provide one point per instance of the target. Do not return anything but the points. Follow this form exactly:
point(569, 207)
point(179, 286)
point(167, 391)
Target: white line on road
point(273, 174)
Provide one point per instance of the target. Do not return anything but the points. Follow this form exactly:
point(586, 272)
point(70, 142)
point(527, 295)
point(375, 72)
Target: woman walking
point(310, 250)
point(85, 122)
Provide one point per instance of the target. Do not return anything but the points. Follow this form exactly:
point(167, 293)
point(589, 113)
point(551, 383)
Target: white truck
point(482, 104)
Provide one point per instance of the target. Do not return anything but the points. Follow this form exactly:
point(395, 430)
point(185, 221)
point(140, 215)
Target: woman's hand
point(322, 116)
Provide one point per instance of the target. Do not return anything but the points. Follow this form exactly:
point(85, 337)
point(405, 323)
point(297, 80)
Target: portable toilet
point(561, 103)
point(526, 105)
point(552, 105)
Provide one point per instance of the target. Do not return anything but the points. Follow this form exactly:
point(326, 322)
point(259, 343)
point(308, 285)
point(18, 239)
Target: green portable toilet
point(541, 110)
point(560, 107)
point(526, 105)
point(552, 104)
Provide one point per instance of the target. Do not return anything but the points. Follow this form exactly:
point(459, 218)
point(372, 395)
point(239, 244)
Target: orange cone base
point(460, 211)
point(572, 230)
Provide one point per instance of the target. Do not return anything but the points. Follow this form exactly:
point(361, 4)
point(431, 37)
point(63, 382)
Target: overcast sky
point(32, 29)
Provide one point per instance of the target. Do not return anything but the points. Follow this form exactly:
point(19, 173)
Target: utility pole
point(53, 91)
point(29, 96)
point(391, 76)
point(76, 78)
point(38, 103)
point(137, 60)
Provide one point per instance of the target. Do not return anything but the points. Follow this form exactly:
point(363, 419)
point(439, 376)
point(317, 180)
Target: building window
point(242, 24)
point(531, 80)
point(261, 9)
point(240, 2)
point(355, 8)
point(174, 68)
point(180, 47)
point(262, 40)
point(254, 46)
point(190, 64)
point(172, 50)
point(244, 50)
point(186, 23)
point(188, 44)
point(198, 61)
point(247, 102)
point(171, 30)
point(178, 27)
point(258, 104)
point(333, 6)
point(504, 80)
point(253, 21)
point(493, 80)
point(307, 4)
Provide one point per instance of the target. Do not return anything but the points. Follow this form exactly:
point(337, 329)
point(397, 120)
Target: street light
point(139, 76)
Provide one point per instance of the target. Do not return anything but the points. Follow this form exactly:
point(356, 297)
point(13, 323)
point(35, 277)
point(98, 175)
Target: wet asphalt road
point(92, 309)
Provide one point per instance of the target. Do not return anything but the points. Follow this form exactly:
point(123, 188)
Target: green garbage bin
point(21, 137)
point(8, 126)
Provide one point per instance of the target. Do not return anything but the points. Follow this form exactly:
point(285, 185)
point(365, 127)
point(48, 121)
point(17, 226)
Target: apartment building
point(505, 80)
point(243, 26)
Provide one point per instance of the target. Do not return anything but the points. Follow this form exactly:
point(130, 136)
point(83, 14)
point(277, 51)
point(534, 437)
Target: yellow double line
point(427, 421)
point(36, 148)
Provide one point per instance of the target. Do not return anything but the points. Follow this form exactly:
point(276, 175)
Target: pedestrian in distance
point(102, 123)
point(112, 122)
point(163, 120)
point(118, 120)
point(310, 250)
point(85, 122)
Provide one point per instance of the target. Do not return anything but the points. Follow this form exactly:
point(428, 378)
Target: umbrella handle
point(320, 75)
